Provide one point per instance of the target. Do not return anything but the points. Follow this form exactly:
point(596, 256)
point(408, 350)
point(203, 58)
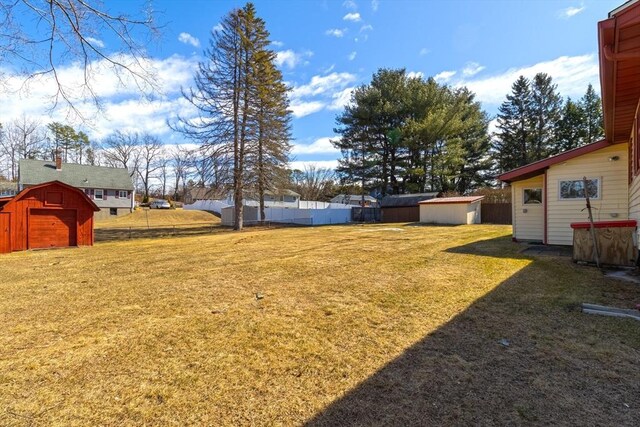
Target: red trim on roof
point(537, 168)
point(21, 194)
point(450, 200)
point(605, 224)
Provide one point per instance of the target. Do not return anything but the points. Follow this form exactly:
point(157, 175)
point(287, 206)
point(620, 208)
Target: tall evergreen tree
point(272, 122)
point(592, 111)
point(227, 95)
point(546, 107)
point(570, 131)
point(515, 123)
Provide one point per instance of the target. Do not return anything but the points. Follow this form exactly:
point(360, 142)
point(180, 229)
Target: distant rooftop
point(33, 172)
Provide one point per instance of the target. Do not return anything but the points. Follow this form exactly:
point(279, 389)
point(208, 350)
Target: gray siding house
point(110, 189)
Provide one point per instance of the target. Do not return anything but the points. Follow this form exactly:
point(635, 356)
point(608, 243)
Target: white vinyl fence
point(208, 205)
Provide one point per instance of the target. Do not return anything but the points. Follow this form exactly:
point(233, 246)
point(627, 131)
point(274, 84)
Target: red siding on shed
point(5, 233)
point(36, 224)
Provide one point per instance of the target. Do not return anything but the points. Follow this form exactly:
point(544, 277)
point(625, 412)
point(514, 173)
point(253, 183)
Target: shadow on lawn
point(522, 354)
point(129, 233)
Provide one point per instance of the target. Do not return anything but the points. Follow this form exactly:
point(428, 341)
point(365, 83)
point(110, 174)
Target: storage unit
point(50, 215)
point(403, 207)
point(616, 242)
point(451, 210)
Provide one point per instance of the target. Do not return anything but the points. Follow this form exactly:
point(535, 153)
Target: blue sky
point(326, 48)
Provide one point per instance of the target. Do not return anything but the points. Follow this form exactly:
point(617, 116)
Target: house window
point(574, 189)
point(122, 194)
point(289, 199)
point(533, 196)
point(98, 194)
point(113, 211)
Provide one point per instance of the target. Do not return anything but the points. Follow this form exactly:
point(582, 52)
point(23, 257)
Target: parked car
point(159, 204)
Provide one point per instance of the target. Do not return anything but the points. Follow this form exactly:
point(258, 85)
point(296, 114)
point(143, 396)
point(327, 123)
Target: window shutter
point(104, 194)
point(91, 194)
point(117, 194)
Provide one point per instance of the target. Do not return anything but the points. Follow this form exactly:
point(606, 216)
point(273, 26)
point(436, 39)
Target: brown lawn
point(353, 325)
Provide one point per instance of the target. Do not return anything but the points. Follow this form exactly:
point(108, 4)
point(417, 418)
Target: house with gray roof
point(110, 189)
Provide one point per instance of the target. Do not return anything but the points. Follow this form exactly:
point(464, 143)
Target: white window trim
point(589, 178)
point(95, 194)
point(533, 188)
point(121, 192)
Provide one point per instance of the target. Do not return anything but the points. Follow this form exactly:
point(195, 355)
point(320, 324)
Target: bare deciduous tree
point(151, 152)
point(39, 35)
point(121, 150)
point(313, 183)
point(23, 138)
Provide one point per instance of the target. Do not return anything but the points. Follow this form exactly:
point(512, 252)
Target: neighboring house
point(110, 189)
point(548, 195)
point(355, 200)
point(194, 194)
point(48, 215)
point(277, 198)
point(451, 210)
point(403, 207)
point(8, 188)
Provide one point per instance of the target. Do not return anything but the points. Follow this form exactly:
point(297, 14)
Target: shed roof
point(33, 172)
point(24, 192)
point(451, 200)
point(404, 200)
point(537, 168)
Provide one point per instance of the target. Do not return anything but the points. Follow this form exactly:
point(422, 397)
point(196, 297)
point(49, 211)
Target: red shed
point(49, 215)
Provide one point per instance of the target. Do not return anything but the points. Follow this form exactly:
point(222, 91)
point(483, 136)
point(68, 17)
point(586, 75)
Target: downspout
point(545, 199)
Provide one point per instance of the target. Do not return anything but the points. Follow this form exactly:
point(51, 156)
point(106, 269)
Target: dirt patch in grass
point(358, 325)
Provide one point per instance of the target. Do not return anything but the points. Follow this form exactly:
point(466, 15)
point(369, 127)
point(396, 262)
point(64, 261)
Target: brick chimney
point(58, 160)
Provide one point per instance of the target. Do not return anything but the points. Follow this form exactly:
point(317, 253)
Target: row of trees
point(404, 134)
point(24, 138)
point(535, 123)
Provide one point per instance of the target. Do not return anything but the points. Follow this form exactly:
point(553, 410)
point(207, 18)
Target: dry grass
point(358, 325)
point(158, 218)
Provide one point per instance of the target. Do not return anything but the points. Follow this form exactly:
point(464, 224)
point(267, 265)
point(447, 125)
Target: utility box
point(617, 242)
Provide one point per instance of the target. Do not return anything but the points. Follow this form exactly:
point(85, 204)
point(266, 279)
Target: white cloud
point(217, 27)
point(444, 76)
point(325, 164)
point(352, 55)
point(124, 107)
point(341, 99)
point(472, 68)
point(187, 38)
point(415, 74)
point(95, 42)
point(366, 27)
point(572, 74)
point(571, 11)
point(322, 92)
point(290, 58)
point(336, 32)
point(300, 108)
point(350, 4)
point(319, 146)
point(353, 17)
point(277, 43)
point(374, 5)
point(424, 51)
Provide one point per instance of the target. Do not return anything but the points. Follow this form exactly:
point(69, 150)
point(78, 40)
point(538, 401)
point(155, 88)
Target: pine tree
point(512, 144)
point(272, 120)
point(570, 131)
point(592, 111)
point(227, 96)
point(546, 106)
